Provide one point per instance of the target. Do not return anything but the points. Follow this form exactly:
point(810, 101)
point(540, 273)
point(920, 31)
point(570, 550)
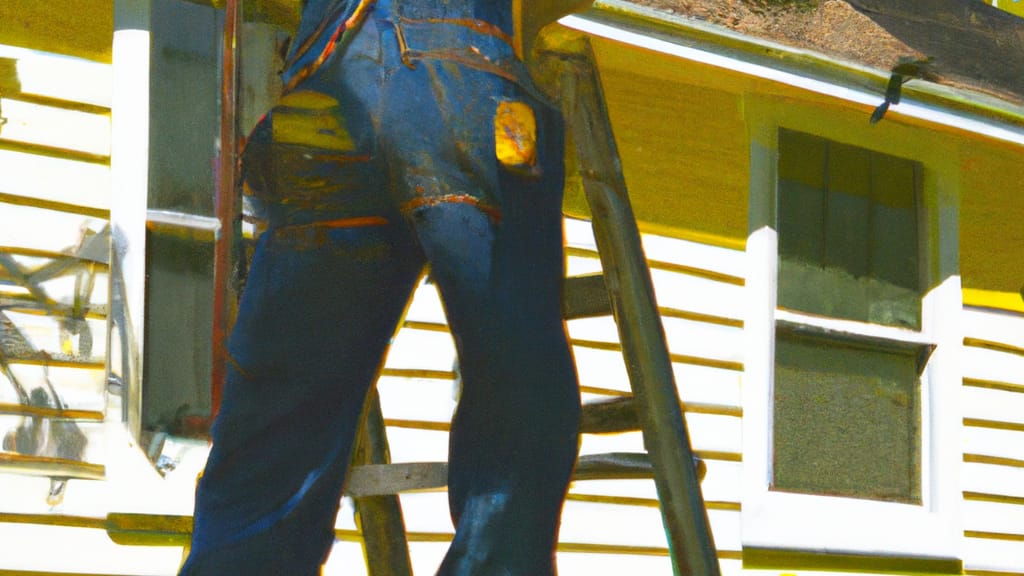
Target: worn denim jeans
point(386, 161)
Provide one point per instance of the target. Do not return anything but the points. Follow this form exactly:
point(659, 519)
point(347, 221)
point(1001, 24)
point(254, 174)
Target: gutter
point(701, 42)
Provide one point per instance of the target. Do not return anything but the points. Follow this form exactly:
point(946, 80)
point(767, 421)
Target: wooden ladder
point(624, 289)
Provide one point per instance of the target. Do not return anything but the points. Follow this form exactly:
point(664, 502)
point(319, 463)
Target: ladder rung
point(585, 296)
point(148, 529)
point(613, 465)
point(609, 416)
point(622, 465)
point(383, 479)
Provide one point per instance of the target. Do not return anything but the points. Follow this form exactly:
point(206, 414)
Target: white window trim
point(824, 524)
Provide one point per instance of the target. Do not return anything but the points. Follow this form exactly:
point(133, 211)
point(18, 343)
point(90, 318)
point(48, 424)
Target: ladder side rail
point(379, 517)
point(640, 330)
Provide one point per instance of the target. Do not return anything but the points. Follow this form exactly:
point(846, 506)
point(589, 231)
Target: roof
point(968, 43)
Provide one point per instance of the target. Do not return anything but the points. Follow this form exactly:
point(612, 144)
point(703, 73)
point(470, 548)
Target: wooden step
point(383, 479)
point(610, 416)
point(585, 296)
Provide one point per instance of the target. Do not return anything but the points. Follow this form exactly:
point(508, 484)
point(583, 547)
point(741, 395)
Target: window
point(846, 411)
point(849, 432)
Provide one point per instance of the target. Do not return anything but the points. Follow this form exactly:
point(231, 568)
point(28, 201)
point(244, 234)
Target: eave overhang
point(691, 39)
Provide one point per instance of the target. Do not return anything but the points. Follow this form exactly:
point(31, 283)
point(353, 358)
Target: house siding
point(686, 157)
point(992, 476)
point(699, 289)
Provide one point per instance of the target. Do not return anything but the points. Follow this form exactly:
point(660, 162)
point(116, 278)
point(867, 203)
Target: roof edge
point(702, 36)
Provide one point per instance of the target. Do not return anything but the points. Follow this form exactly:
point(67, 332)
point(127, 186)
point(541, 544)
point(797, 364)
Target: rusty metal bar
point(226, 201)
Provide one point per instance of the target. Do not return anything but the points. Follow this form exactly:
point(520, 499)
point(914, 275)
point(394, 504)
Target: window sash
point(848, 231)
point(846, 419)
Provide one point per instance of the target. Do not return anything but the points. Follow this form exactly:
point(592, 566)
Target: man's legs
point(313, 324)
point(514, 435)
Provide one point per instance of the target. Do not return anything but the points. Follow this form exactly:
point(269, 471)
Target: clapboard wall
point(615, 525)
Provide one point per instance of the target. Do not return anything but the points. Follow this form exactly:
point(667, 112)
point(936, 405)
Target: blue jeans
point(380, 164)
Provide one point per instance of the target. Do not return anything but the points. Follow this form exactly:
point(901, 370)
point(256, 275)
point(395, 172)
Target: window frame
point(821, 524)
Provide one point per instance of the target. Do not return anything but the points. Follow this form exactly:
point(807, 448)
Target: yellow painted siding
point(992, 226)
point(1011, 6)
point(82, 28)
point(682, 144)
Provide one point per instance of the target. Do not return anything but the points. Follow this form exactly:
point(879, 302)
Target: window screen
point(847, 420)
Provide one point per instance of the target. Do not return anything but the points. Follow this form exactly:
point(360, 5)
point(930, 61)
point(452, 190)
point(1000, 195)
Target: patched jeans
point(422, 144)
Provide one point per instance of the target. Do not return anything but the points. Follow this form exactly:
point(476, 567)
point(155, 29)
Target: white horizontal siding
point(421, 349)
point(426, 304)
point(993, 405)
point(58, 128)
point(994, 442)
point(612, 524)
point(993, 554)
point(696, 294)
point(640, 526)
point(704, 340)
point(57, 549)
point(601, 443)
point(426, 399)
point(346, 559)
point(994, 325)
point(20, 227)
point(993, 365)
point(998, 517)
point(55, 76)
point(722, 481)
point(726, 261)
point(56, 180)
point(992, 479)
point(583, 563)
point(698, 384)
point(417, 445)
point(601, 368)
point(708, 433)
point(685, 337)
point(992, 475)
point(582, 265)
point(76, 173)
point(427, 512)
point(708, 385)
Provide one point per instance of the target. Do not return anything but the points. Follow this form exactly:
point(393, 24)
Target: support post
point(226, 202)
point(129, 168)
